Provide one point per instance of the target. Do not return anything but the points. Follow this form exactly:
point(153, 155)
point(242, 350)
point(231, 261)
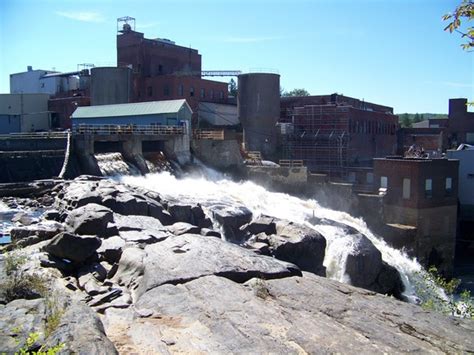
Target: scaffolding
point(318, 135)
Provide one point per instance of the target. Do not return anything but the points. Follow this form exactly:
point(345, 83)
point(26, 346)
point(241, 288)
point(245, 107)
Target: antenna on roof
point(125, 24)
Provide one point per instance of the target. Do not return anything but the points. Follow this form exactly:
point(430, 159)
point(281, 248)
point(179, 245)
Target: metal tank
point(110, 85)
point(258, 103)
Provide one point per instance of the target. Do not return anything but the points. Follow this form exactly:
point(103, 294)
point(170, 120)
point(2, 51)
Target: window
point(180, 90)
point(406, 189)
point(221, 95)
point(470, 137)
point(370, 178)
point(212, 94)
point(449, 185)
point(352, 177)
point(160, 69)
point(166, 90)
point(149, 91)
point(383, 182)
point(191, 91)
point(203, 93)
point(429, 188)
point(42, 85)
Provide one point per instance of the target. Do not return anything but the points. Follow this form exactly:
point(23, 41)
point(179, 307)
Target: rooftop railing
point(127, 129)
point(35, 135)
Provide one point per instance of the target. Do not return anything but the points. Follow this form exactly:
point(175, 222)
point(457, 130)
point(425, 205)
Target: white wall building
point(42, 81)
point(465, 155)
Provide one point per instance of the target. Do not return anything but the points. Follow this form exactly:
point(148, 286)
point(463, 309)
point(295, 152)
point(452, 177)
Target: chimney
point(29, 67)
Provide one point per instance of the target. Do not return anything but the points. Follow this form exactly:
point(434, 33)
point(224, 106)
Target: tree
point(464, 12)
point(233, 88)
point(296, 92)
point(405, 120)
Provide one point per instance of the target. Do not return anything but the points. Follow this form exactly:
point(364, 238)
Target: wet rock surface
point(163, 281)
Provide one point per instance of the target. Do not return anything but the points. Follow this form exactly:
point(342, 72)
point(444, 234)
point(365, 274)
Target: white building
point(24, 113)
point(42, 82)
point(465, 155)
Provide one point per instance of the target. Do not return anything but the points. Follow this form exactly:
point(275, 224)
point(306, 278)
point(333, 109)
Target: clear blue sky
point(391, 52)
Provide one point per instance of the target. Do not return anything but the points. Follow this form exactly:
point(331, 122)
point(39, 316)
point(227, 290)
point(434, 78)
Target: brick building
point(334, 133)
point(163, 70)
point(437, 135)
point(422, 193)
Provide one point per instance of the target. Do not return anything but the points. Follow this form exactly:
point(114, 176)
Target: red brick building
point(333, 133)
point(422, 193)
point(163, 70)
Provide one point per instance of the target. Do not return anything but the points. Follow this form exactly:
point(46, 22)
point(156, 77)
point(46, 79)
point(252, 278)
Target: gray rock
point(130, 268)
point(232, 216)
point(40, 231)
point(180, 228)
point(300, 245)
point(365, 268)
point(181, 212)
point(127, 204)
point(137, 223)
point(73, 247)
point(210, 233)
point(187, 257)
point(262, 224)
point(111, 249)
point(51, 215)
point(144, 236)
point(291, 315)
point(156, 210)
point(91, 219)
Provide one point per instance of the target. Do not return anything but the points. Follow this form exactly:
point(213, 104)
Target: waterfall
point(113, 164)
point(260, 201)
point(66, 155)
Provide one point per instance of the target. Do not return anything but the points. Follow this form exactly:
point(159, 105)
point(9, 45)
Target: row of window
point(202, 94)
point(371, 127)
point(428, 186)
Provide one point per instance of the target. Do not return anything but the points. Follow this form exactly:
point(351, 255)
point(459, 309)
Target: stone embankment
point(132, 272)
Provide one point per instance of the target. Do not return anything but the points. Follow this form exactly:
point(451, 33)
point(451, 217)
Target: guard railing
point(127, 129)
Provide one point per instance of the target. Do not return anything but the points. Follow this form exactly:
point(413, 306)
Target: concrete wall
point(466, 181)
point(24, 113)
point(258, 104)
point(217, 114)
point(223, 154)
point(289, 180)
point(111, 85)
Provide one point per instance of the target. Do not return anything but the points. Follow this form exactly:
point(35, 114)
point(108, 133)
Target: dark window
point(180, 90)
point(166, 90)
point(160, 69)
point(221, 95)
point(449, 186)
point(212, 94)
point(149, 91)
point(191, 91)
point(429, 188)
point(203, 93)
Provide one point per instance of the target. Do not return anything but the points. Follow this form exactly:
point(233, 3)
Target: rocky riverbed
point(126, 270)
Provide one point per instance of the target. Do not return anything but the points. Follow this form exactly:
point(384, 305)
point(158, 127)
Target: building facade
point(333, 133)
point(20, 113)
point(422, 193)
point(163, 70)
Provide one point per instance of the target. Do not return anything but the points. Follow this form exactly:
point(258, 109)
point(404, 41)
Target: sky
point(390, 52)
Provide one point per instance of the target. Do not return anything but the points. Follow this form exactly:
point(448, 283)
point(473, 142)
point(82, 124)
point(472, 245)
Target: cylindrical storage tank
point(84, 81)
point(258, 103)
point(110, 85)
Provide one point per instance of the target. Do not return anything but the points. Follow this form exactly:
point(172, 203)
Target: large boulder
point(28, 235)
point(366, 269)
point(75, 248)
point(262, 224)
point(231, 218)
point(187, 257)
point(299, 244)
point(20, 318)
point(306, 314)
point(91, 219)
point(127, 204)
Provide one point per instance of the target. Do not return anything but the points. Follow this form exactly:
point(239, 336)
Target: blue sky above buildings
point(391, 52)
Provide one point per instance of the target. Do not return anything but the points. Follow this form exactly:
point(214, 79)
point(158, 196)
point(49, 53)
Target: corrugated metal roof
point(135, 109)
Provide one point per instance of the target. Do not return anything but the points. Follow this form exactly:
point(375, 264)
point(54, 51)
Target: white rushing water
point(113, 164)
point(219, 190)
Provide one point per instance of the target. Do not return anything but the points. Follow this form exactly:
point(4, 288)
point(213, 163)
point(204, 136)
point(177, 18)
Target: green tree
point(405, 120)
point(296, 92)
point(233, 88)
point(463, 12)
point(417, 118)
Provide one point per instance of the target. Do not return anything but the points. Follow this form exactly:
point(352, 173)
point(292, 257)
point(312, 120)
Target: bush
point(441, 296)
point(20, 284)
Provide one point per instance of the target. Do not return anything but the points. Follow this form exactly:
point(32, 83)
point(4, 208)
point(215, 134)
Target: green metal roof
point(135, 109)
